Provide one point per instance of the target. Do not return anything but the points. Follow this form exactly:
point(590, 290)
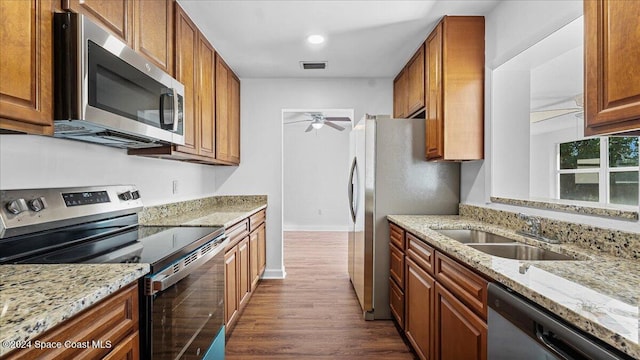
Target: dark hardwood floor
point(314, 312)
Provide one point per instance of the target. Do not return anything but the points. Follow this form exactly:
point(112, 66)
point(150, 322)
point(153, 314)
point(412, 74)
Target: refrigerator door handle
point(350, 188)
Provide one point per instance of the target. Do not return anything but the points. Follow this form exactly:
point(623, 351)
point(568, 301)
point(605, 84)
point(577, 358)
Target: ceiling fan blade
point(337, 119)
point(536, 116)
point(298, 121)
point(330, 124)
point(309, 128)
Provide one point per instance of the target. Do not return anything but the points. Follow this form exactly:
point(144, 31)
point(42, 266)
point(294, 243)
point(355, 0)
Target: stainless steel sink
point(467, 236)
point(519, 252)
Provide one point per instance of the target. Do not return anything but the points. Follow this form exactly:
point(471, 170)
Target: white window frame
point(603, 171)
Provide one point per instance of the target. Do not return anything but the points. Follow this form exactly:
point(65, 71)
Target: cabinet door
point(434, 118)
point(396, 302)
point(253, 260)
point(230, 287)
point(419, 299)
point(206, 95)
point(415, 86)
point(244, 281)
point(154, 32)
point(186, 65)
point(26, 71)
point(128, 349)
point(612, 69)
point(396, 265)
point(234, 119)
point(222, 110)
point(262, 248)
point(400, 92)
point(460, 334)
point(114, 15)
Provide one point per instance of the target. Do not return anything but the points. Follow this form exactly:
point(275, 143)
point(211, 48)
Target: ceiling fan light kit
point(318, 120)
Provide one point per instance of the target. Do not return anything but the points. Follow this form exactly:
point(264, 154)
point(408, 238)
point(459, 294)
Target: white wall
point(316, 169)
point(510, 124)
point(29, 161)
point(510, 28)
point(261, 170)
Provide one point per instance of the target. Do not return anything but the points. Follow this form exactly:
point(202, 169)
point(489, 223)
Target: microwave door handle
point(163, 124)
point(175, 109)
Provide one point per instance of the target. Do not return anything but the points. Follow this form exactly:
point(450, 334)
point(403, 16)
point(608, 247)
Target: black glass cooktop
point(107, 241)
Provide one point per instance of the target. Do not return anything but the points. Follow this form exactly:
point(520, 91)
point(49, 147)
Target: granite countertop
point(214, 211)
point(598, 293)
point(35, 298)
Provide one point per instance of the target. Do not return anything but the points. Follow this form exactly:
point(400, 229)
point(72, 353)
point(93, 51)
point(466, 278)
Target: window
point(601, 170)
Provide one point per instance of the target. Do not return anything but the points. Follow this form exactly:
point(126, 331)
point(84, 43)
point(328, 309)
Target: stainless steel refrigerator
point(389, 175)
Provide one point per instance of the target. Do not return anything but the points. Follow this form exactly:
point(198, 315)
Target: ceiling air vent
point(313, 65)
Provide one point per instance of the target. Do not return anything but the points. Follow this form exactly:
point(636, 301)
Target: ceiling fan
point(578, 111)
point(318, 120)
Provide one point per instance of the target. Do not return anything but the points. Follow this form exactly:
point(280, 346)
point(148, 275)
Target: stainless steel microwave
point(106, 93)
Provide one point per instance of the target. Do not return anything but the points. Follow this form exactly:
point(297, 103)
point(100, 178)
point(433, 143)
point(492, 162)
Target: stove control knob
point(135, 195)
point(16, 206)
point(125, 195)
point(37, 204)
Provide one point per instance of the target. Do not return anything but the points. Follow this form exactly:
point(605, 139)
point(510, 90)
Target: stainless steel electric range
point(181, 300)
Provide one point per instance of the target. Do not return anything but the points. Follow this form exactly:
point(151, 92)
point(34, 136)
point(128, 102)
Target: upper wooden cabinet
point(400, 92)
point(115, 15)
point(227, 113)
point(26, 72)
point(212, 101)
point(146, 26)
point(154, 32)
point(408, 87)
point(454, 79)
point(187, 64)
point(415, 79)
point(612, 69)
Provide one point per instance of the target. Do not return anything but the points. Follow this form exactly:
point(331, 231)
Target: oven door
point(186, 312)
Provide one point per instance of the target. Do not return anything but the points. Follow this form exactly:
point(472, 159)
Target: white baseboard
point(274, 274)
point(290, 227)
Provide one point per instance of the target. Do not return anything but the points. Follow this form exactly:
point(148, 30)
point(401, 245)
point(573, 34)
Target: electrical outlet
point(174, 184)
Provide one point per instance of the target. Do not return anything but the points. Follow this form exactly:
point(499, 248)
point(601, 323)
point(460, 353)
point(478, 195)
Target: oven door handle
point(178, 271)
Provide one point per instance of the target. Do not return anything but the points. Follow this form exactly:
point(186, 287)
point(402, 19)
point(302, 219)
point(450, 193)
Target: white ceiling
point(365, 38)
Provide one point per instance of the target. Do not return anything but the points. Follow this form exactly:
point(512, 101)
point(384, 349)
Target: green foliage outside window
point(580, 154)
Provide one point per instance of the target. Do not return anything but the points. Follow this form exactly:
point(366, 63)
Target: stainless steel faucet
point(535, 228)
point(534, 224)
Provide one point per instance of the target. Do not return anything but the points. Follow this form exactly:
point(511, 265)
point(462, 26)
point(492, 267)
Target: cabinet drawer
point(237, 232)
point(396, 302)
point(396, 265)
point(396, 235)
point(421, 253)
point(467, 286)
point(256, 219)
point(111, 320)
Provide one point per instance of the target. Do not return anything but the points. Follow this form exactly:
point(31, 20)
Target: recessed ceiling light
point(315, 39)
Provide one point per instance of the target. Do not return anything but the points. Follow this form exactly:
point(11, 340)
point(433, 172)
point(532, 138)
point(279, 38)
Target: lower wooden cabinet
point(442, 307)
point(396, 302)
point(113, 323)
point(231, 304)
point(459, 332)
point(128, 349)
point(419, 297)
point(244, 280)
point(262, 249)
point(244, 264)
point(257, 249)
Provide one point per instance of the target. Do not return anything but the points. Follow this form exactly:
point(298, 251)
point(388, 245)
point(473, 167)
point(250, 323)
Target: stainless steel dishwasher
point(520, 329)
